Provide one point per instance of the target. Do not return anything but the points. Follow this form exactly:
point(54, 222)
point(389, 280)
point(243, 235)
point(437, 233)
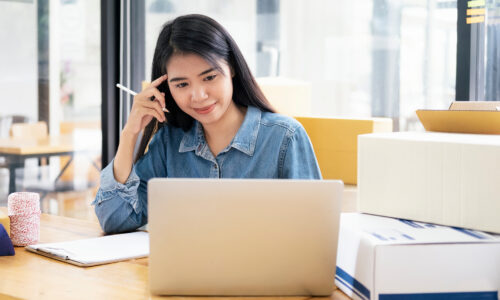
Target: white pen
point(126, 89)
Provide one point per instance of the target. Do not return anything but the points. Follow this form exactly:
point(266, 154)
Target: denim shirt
point(267, 145)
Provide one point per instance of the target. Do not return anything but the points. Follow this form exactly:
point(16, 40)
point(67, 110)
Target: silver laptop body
point(243, 237)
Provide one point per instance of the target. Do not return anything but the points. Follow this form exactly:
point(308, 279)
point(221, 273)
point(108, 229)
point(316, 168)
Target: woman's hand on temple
point(148, 104)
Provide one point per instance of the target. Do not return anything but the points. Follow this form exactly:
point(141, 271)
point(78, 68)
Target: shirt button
point(216, 166)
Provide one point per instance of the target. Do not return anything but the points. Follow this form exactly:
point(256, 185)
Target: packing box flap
point(464, 117)
point(475, 105)
point(391, 231)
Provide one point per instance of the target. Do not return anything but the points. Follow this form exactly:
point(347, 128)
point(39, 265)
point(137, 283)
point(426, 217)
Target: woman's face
point(199, 89)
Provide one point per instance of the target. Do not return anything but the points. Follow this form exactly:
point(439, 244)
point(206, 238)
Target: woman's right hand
point(144, 110)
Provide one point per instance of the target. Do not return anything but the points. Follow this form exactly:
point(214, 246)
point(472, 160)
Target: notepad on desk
point(97, 251)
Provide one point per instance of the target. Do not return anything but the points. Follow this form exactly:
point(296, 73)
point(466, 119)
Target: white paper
point(99, 250)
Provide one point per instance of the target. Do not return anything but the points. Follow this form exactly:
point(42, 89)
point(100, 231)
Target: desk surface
point(22, 146)
point(30, 276)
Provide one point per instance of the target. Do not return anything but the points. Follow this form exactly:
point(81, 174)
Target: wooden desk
point(30, 276)
point(22, 146)
point(17, 150)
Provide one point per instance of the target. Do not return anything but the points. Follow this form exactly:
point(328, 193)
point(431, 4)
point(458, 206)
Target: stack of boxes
point(427, 201)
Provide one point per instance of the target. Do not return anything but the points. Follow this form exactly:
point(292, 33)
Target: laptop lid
point(243, 236)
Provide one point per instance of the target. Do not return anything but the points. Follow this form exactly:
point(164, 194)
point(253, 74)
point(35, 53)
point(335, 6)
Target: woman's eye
point(211, 77)
point(181, 85)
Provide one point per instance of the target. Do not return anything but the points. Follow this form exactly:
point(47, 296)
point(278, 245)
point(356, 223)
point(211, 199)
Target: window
point(51, 71)
point(492, 84)
point(364, 58)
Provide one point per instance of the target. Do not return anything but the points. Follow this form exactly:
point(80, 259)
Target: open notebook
point(97, 251)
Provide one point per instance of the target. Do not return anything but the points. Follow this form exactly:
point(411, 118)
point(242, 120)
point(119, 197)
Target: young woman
point(208, 118)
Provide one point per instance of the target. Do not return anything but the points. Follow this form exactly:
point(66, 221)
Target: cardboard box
point(335, 142)
point(445, 178)
point(463, 116)
point(384, 258)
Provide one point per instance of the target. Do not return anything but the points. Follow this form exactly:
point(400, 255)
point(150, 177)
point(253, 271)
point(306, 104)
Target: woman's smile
point(205, 110)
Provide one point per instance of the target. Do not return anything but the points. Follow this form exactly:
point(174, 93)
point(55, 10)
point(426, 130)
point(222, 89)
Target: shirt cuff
point(109, 183)
point(110, 188)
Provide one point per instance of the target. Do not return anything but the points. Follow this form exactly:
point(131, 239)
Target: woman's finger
point(154, 105)
point(159, 97)
point(154, 112)
point(154, 94)
point(158, 81)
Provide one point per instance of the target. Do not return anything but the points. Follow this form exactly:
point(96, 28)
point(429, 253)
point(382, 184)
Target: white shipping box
point(386, 258)
point(444, 178)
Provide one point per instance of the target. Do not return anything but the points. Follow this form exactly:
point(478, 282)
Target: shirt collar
point(193, 138)
point(244, 140)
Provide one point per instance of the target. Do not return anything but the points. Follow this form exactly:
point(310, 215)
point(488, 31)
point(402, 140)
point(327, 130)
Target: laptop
point(243, 237)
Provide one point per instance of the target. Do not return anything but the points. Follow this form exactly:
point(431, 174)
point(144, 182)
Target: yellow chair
point(36, 130)
point(40, 181)
point(335, 142)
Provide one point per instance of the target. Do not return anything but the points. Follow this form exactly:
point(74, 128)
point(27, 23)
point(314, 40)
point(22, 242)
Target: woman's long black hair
point(203, 36)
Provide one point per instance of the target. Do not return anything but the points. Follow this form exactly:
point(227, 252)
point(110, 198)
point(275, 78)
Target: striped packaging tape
point(24, 213)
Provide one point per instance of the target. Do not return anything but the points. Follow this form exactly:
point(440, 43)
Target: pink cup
point(24, 214)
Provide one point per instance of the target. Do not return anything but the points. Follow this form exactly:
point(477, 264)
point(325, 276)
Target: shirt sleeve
point(123, 207)
point(297, 156)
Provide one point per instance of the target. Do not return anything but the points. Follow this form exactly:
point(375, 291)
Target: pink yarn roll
point(25, 229)
point(23, 203)
point(24, 213)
